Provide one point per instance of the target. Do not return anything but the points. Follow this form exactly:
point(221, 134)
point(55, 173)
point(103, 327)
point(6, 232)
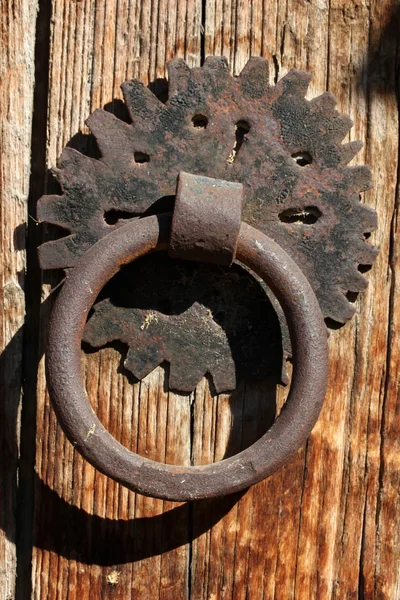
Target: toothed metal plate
point(284, 149)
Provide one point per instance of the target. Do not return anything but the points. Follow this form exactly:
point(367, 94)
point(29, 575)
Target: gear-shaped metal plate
point(283, 148)
point(197, 317)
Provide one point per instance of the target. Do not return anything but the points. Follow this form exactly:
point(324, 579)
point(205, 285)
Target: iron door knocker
point(252, 172)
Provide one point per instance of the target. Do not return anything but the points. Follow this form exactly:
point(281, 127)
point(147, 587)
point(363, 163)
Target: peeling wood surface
point(326, 526)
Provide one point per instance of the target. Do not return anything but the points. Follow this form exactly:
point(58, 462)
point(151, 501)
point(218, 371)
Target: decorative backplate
point(298, 189)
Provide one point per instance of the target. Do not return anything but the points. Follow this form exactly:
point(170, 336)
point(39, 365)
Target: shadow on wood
point(71, 532)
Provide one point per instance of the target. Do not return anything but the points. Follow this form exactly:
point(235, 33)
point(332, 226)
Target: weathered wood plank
point(17, 33)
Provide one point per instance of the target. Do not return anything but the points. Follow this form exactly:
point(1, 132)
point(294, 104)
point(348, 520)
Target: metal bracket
point(206, 219)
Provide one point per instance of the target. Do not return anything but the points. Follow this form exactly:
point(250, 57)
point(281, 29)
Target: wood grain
point(326, 526)
point(17, 34)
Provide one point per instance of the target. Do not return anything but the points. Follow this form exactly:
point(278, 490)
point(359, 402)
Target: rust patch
point(201, 318)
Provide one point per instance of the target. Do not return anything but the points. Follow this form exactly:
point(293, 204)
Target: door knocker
point(229, 168)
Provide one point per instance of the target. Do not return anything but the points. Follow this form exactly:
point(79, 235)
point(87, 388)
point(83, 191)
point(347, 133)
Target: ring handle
point(170, 482)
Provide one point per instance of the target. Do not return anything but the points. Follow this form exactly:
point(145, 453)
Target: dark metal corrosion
point(206, 219)
point(286, 152)
point(85, 431)
point(200, 318)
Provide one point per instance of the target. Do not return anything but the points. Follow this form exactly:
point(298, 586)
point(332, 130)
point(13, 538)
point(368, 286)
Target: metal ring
point(95, 443)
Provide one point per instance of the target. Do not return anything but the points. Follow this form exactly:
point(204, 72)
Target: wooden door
point(327, 524)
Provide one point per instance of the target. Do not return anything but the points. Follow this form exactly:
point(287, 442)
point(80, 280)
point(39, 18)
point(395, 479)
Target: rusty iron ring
point(96, 444)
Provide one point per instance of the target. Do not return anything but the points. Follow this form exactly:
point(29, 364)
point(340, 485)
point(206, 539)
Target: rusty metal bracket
point(286, 152)
point(206, 219)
